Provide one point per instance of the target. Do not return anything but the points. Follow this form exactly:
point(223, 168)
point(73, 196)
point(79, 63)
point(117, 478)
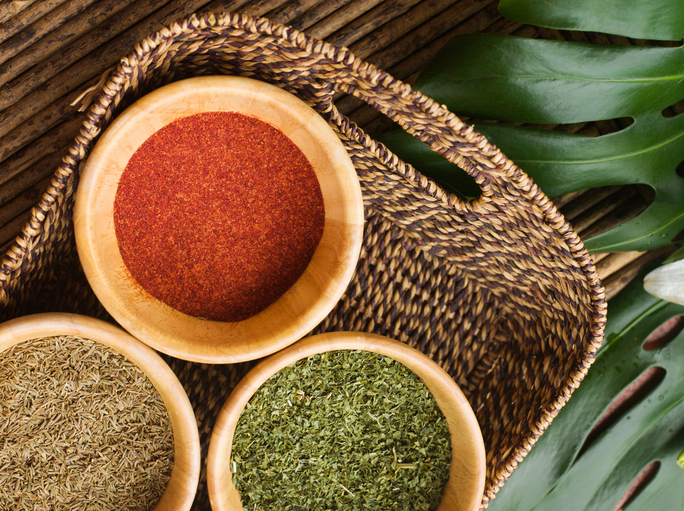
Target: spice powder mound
point(218, 214)
point(82, 429)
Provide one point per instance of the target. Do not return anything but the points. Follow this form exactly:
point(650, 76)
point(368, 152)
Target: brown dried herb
point(81, 428)
point(342, 430)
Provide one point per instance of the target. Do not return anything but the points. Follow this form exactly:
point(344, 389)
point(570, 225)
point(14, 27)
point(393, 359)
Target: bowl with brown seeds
point(346, 420)
point(91, 419)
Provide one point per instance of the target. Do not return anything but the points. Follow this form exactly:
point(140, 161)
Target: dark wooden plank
point(42, 27)
point(28, 119)
point(409, 53)
point(39, 170)
point(16, 24)
point(610, 213)
point(291, 10)
point(11, 229)
point(10, 8)
point(53, 141)
point(613, 263)
point(370, 21)
point(618, 280)
point(23, 202)
point(323, 10)
point(56, 40)
point(587, 200)
point(78, 49)
point(341, 18)
point(383, 45)
point(50, 104)
point(253, 8)
point(562, 200)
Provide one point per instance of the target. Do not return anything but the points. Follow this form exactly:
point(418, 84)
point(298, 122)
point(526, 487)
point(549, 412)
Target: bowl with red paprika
point(219, 219)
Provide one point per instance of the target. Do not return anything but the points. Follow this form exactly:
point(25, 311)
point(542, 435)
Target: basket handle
point(435, 125)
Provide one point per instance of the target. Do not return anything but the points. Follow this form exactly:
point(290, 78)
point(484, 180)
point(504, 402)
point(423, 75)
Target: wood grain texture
point(60, 50)
point(44, 27)
point(15, 24)
point(57, 38)
point(11, 8)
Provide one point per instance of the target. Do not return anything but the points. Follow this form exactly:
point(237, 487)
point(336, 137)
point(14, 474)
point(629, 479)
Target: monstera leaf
point(507, 78)
point(562, 473)
point(641, 19)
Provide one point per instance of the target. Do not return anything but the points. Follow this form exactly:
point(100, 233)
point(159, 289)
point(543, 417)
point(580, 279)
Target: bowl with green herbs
point(346, 420)
point(92, 419)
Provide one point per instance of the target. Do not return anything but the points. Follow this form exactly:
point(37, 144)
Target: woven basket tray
point(499, 291)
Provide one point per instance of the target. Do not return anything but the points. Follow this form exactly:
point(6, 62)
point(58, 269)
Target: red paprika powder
point(218, 214)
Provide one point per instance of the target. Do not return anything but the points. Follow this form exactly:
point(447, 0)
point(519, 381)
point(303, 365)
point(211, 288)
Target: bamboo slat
point(344, 15)
point(11, 8)
point(56, 39)
point(44, 27)
point(584, 221)
point(615, 282)
point(23, 161)
point(16, 23)
point(318, 13)
point(61, 52)
point(370, 21)
point(21, 182)
point(291, 10)
point(587, 200)
point(612, 263)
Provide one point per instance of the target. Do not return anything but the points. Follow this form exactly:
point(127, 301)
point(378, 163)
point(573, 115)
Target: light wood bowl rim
point(468, 473)
point(182, 487)
point(288, 319)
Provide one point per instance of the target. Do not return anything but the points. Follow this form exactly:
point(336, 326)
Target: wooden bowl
point(464, 489)
point(181, 488)
point(295, 313)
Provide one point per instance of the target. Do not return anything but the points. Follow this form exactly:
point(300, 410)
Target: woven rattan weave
point(499, 290)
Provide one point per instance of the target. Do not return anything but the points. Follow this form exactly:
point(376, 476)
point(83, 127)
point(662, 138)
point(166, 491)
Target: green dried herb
point(343, 430)
point(81, 428)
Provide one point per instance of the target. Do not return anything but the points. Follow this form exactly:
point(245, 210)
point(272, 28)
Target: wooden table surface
point(53, 50)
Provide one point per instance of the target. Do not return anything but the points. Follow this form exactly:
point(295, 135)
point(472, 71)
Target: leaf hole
point(680, 169)
point(647, 193)
point(630, 396)
point(613, 125)
point(665, 333)
point(641, 481)
point(673, 110)
point(678, 237)
point(589, 129)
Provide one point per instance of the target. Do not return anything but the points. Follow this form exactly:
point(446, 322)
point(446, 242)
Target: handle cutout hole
point(450, 176)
